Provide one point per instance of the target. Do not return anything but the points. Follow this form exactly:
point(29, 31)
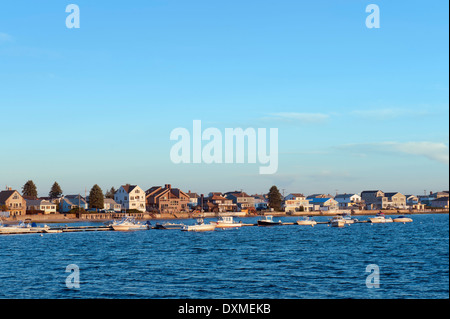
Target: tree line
point(96, 196)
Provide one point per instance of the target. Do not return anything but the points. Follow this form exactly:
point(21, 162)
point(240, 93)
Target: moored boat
point(348, 219)
point(338, 221)
point(268, 221)
point(402, 219)
point(169, 226)
point(306, 221)
point(380, 218)
point(22, 228)
point(200, 226)
point(226, 222)
point(128, 223)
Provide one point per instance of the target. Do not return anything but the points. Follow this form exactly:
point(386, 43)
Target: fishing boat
point(169, 226)
point(306, 221)
point(338, 221)
point(22, 228)
point(402, 219)
point(200, 226)
point(380, 218)
point(128, 223)
point(226, 222)
point(268, 221)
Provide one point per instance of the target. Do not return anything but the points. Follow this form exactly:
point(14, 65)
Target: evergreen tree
point(29, 189)
point(275, 198)
point(96, 198)
point(110, 193)
point(55, 191)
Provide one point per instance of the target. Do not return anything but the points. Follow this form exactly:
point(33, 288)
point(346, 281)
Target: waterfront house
point(261, 202)
point(395, 200)
point(241, 199)
point(167, 199)
point(12, 201)
point(70, 202)
point(111, 205)
point(374, 199)
point(413, 202)
point(40, 206)
point(441, 202)
point(193, 200)
point(130, 197)
point(379, 200)
point(222, 204)
point(323, 204)
point(348, 201)
point(296, 202)
point(427, 199)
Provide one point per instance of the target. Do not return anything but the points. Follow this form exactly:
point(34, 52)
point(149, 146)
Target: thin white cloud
point(434, 151)
point(387, 113)
point(298, 118)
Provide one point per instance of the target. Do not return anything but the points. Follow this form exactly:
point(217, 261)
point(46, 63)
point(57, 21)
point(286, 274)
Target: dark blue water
point(252, 262)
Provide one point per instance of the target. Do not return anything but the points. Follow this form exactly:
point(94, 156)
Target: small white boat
point(348, 219)
point(402, 219)
point(23, 228)
point(226, 222)
point(380, 219)
point(268, 221)
point(200, 226)
point(306, 221)
point(338, 221)
point(53, 231)
point(127, 223)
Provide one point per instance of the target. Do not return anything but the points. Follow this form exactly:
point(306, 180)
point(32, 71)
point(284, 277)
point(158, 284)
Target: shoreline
point(48, 219)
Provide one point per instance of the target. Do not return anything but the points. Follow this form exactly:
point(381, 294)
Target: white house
point(193, 200)
point(130, 197)
point(347, 201)
point(42, 205)
point(296, 202)
point(110, 204)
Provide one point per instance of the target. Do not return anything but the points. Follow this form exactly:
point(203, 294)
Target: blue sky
point(356, 108)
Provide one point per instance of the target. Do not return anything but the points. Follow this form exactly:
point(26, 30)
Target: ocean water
point(282, 262)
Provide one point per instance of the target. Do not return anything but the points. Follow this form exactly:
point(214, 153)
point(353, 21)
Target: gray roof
point(4, 195)
point(344, 195)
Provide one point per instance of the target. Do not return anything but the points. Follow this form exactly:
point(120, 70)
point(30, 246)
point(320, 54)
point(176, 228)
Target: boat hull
point(402, 220)
point(200, 228)
point(224, 225)
point(378, 220)
point(338, 223)
point(268, 223)
point(169, 226)
point(128, 227)
point(306, 222)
